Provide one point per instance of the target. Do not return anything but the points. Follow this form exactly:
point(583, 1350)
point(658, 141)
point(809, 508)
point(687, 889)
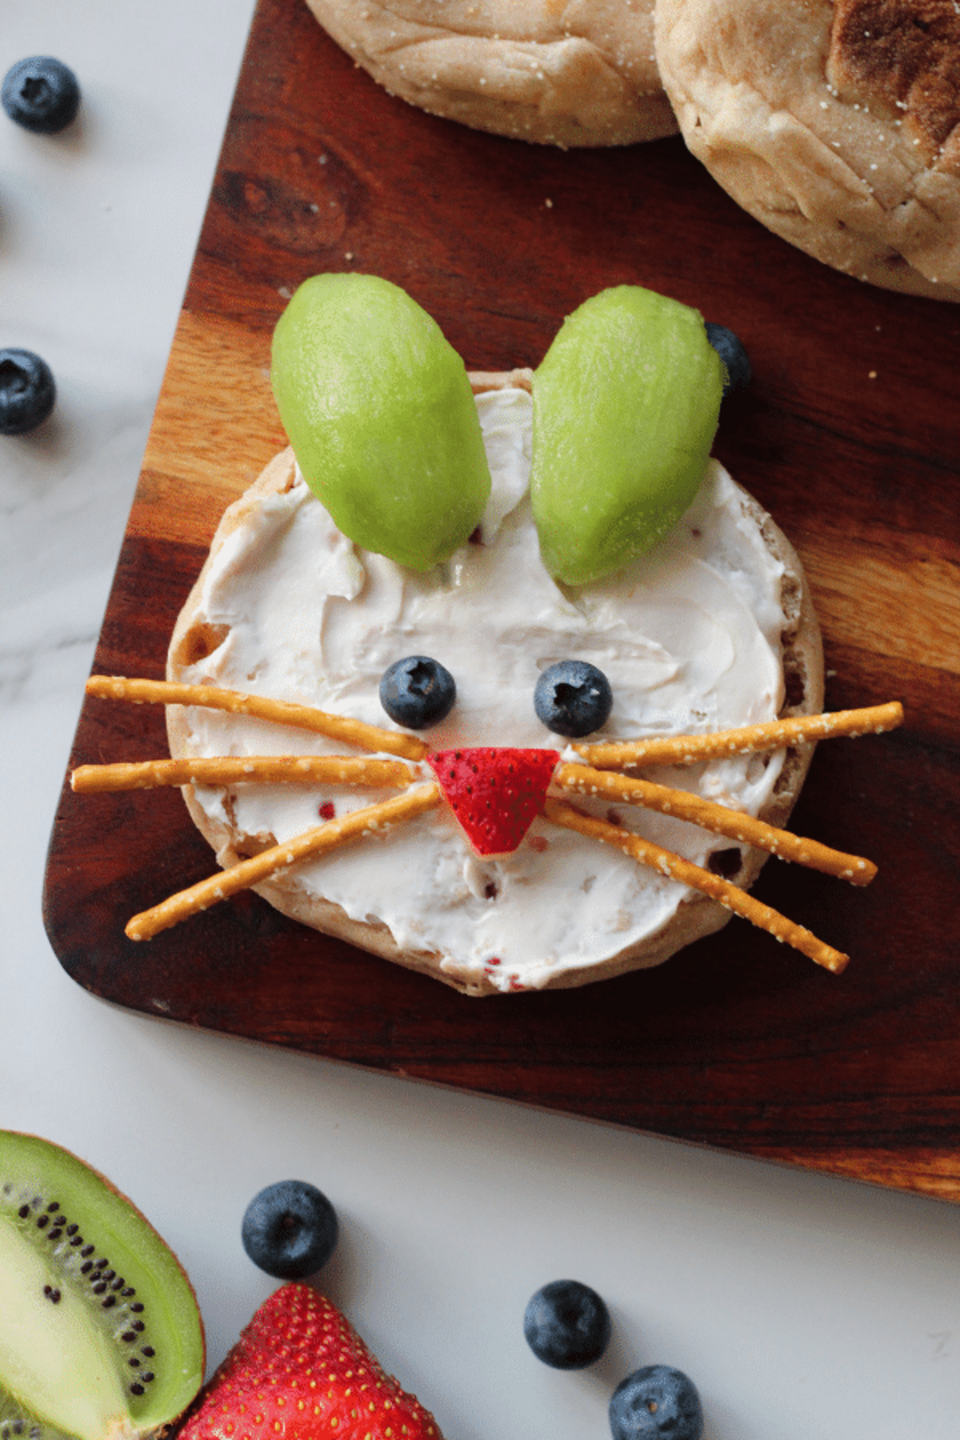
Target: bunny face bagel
point(834, 124)
point(571, 75)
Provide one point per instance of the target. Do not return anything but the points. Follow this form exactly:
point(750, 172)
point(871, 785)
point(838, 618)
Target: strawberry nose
point(494, 792)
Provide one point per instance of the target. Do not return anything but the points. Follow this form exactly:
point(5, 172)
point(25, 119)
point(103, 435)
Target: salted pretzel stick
point(674, 866)
point(279, 857)
point(258, 707)
point(747, 740)
point(237, 770)
point(720, 819)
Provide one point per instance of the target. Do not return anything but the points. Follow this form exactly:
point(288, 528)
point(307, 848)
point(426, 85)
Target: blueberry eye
point(417, 692)
point(730, 349)
point(573, 698)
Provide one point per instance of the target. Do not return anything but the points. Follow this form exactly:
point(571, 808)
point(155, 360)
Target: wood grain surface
point(848, 435)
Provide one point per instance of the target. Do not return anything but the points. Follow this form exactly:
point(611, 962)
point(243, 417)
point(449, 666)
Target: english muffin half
point(716, 629)
point(566, 75)
point(837, 125)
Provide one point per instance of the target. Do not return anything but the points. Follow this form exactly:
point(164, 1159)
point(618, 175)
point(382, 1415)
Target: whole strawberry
point(300, 1371)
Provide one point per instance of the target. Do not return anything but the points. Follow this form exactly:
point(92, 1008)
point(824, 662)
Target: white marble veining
point(802, 1306)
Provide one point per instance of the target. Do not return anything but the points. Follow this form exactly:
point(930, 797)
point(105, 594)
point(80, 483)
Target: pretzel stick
point(279, 857)
point(236, 770)
point(747, 740)
point(720, 819)
point(258, 707)
point(674, 866)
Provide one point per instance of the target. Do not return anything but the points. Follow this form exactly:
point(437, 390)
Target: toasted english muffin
point(417, 895)
point(837, 126)
point(572, 75)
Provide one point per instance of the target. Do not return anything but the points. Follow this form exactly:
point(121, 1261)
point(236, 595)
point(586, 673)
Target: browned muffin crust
point(903, 56)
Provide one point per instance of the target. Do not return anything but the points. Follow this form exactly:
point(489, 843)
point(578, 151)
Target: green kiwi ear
point(625, 407)
point(100, 1332)
point(380, 413)
point(378, 408)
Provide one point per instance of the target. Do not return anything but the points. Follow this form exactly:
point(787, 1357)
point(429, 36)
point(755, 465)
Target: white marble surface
point(802, 1306)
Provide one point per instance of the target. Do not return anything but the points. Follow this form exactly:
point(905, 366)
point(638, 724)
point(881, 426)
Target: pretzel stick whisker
point(746, 740)
point(242, 769)
point(258, 707)
point(719, 819)
point(677, 868)
point(270, 862)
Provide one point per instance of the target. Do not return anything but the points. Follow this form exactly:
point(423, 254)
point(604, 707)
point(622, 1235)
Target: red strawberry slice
point(495, 792)
point(300, 1371)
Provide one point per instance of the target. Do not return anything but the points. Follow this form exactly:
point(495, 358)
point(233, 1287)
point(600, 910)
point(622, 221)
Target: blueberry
point(735, 359)
point(27, 391)
point(656, 1401)
point(290, 1229)
point(567, 1325)
point(573, 698)
point(417, 692)
point(41, 94)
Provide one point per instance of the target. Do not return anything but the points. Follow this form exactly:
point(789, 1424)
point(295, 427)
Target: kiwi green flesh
point(626, 403)
point(378, 408)
point(100, 1334)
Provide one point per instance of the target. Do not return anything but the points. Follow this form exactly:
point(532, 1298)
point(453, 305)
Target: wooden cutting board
point(848, 435)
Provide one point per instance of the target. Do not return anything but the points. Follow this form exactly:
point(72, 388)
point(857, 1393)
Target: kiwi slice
point(625, 407)
point(100, 1334)
point(378, 408)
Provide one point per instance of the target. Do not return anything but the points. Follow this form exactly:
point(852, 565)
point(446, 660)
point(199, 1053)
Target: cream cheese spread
point(689, 638)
